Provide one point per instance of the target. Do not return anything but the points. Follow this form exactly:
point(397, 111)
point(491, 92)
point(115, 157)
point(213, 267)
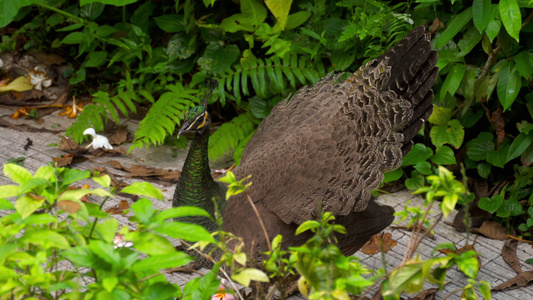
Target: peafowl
point(329, 143)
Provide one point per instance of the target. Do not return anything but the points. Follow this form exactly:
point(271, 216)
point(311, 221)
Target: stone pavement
point(493, 269)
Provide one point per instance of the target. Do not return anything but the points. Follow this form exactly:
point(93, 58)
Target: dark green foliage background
point(157, 54)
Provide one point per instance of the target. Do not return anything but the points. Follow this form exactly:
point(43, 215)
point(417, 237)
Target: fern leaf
point(230, 135)
point(163, 116)
point(90, 117)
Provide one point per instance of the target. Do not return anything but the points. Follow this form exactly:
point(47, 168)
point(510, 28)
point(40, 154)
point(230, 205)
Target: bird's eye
point(201, 120)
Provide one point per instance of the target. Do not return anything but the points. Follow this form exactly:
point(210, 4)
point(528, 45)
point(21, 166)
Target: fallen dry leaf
point(64, 160)
point(68, 144)
point(119, 209)
point(28, 95)
point(428, 294)
point(25, 128)
point(521, 280)
point(492, 229)
point(72, 111)
point(19, 84)
point(498, 122)
point(379, 243)
point(145, 172)
point(48, 59)
point(69, 206)
point(509, 255)
point(119, 135)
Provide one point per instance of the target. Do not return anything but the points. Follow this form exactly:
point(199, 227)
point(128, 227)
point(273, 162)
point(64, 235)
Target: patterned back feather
point(332, 141)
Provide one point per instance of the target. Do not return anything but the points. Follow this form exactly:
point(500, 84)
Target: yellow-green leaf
point(19, 84)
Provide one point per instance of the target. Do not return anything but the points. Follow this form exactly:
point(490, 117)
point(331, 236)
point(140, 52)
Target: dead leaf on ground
point(48, 59)
point(493, 230)
point(145, 172)
point(25, 128)
point(119, 135)
point(64, 160)
point(379, 243)
point(509, 255)
point(28, 95)
point(119, 209)
point(521, 280)
point(428, 294)
point(68, 144)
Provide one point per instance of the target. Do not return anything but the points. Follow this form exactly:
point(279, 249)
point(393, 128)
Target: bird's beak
point(184, 128)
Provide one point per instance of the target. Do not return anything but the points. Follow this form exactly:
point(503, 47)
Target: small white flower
point(99, 141)
point(120, 243)
point(38, 78)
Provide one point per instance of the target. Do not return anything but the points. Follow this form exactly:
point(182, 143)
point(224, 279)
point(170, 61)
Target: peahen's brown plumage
point(331, 143)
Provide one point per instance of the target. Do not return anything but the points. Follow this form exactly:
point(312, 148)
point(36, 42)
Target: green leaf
point(509, 208)
point(509, 85)
point(491, 204)
point(418, 153)
point(46, 238)
point(470, 40)
point(143, 209)
point(73, 175)
point(423, 167)
point(477, 149)
point(259, 107)
point(26, 205)
point(143, 189)
point(452, 134)
point(171, 23)
point(17, 173)
point(511, 18)
point(247, 275)
point(180, 212)
point(297, 19)
point(71, 27)
point(96, 59)
point(393, 175)
point(6, 205)
point(107, 229)
point(481, 13)
point(519, 145)
point(78, 194)
point(307, 225)
point(218, 59)
point(181, 46)
point(7, 191)
point(440, 116)
point(73, 38)
point(444, 156)
point(104, 180)
point(468, 263)
point(10, 8)
point(162, 261)
point(494, 26)
point(453, 81)
point(110, 2)
point(105, 251)
point(498, 158)
point(523, 64)
point(454, 26)
point(82, 256)
point(483, 169)
point(280, 9)
point(416, 181)
point(185, 231)
point(408, 278)
point(151, 244)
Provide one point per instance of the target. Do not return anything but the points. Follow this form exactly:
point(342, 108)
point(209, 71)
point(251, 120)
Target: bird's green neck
point(196, 187)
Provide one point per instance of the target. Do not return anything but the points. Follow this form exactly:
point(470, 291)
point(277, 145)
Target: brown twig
point(260, 221)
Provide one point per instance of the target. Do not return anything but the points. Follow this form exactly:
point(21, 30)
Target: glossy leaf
point(498, 158)
point(418, 153)
point(454, 27)
point(509, 85)
point(186, 231)
point(452, 134)
point(477, 148)
point(171, 23)
point(453, 80)
point(280, 9)
point(110, 2)
point(494, 26)
point(519, 145)
point(247, 275)
point(511, 17)
point(491, 204)
point(143, 189)
point(162, 261)
point(523, 64)
point(481, 13)
point(444, 156)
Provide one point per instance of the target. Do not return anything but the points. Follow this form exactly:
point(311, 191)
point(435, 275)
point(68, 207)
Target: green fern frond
point(267, 77)
point(163, 116)
point(97, 113)
point(232, 135)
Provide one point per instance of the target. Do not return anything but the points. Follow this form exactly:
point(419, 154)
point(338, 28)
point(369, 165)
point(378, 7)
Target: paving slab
point(493, 269)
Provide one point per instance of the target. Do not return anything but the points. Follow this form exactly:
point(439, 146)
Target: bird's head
point(196, 120)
